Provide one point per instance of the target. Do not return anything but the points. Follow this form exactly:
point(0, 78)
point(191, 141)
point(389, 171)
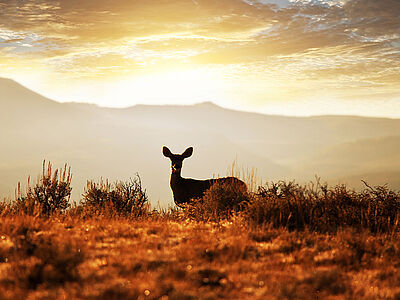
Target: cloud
point(355, 42)
point(103, 20)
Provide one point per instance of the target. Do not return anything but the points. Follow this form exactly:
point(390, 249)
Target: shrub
point(50, 194)
point(381, 208)
point(121, 198)
point(218, 202)
point(323, 209)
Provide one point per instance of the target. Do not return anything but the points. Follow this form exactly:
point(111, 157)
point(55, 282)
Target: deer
point(186, 189)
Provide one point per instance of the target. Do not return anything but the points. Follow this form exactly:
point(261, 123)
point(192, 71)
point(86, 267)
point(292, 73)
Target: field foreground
point(69, 257)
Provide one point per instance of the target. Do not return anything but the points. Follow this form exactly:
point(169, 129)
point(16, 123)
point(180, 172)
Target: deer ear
point(166, 152)
point(188, 152)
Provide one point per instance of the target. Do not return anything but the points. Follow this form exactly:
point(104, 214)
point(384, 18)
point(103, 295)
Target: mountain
point(376, 160)
point(116, 143)
point(14, 96)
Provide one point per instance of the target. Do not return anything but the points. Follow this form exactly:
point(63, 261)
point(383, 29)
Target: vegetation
point(121, 198)
point(220, 202)
point(284, 241)
point(319, 208)
point(50, 194)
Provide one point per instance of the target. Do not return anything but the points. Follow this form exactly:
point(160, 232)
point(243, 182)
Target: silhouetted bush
point(317, 207)
point(50, 194)
point(218, 202)
point(121, 198)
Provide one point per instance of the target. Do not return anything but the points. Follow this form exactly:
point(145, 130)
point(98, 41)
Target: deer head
point(177, 159)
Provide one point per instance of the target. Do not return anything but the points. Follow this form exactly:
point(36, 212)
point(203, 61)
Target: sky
point(290, 57)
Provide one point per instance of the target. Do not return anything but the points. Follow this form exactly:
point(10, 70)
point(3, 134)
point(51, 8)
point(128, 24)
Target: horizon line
point(206, 102)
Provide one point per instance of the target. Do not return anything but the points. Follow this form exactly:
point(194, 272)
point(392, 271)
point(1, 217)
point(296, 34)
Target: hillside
point(116, 143)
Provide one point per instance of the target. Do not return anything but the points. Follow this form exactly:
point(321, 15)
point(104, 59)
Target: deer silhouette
point(186, 189)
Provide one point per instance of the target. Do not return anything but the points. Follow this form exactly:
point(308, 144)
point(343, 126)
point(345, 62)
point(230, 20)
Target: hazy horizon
point(201, 103)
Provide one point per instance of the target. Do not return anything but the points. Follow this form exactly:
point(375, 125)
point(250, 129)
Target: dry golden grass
point(168, 257)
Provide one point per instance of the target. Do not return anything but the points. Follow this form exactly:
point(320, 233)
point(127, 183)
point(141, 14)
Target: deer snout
point(176, 167)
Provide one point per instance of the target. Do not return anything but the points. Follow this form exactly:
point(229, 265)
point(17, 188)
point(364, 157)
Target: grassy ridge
point(283, 241)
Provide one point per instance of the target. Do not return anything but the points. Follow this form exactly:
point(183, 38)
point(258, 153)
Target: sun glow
point(171, 87)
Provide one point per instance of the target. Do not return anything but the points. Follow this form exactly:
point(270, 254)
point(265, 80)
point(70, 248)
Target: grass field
point(284, 241)
point(166, 258)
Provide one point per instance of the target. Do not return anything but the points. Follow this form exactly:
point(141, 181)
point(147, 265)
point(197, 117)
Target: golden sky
point(292, 57)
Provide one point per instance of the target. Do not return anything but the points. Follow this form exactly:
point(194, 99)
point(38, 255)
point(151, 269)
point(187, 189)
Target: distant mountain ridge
point(21, 95)
point(116, 143)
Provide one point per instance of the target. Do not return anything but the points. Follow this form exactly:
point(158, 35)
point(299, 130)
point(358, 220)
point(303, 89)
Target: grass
point(283, 241)
point(155, 257)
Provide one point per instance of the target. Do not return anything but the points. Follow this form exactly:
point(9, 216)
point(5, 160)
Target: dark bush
point(324, 209)
point(120, 198)
point(219, 202)
point(50, 194)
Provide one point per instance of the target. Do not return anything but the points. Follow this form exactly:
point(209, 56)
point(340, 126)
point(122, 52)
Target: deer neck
point(175, 177)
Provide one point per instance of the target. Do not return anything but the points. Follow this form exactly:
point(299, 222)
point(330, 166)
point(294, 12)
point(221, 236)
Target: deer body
point(185, 189)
